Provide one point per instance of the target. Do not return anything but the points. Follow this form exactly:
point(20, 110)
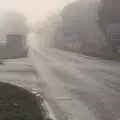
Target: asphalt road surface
point(78, 87)
point(84, 87)
point(19, 72)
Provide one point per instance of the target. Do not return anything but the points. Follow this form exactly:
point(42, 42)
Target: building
point(13, 36)
point(109, 19)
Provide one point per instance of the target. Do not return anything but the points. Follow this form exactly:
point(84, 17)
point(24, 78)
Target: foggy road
point(76, 86)
point(84, 87)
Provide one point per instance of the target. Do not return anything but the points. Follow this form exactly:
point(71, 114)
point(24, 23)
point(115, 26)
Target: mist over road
point(76, 86)
point(85, 87)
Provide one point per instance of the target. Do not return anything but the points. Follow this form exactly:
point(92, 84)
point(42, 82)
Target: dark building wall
point(110, 9)
point(110, 14)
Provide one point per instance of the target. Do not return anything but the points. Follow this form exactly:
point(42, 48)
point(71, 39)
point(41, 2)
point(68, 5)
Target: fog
point(34, 10)
point(71, 25)
point(74, 28)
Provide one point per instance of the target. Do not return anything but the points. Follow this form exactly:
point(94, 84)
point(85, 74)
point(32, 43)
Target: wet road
point(84, 87)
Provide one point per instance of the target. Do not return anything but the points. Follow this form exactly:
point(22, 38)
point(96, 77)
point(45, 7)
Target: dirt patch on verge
point(18, 104)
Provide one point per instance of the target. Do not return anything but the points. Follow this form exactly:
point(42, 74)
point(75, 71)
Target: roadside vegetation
point(76, 28)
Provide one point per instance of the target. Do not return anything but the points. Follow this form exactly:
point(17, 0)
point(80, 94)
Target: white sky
point(34, 10)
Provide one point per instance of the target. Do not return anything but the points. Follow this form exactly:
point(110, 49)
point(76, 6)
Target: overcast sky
point(34, 10)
